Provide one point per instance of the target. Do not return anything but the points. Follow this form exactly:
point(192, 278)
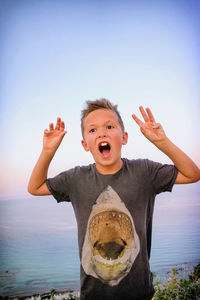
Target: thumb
point(62, 134)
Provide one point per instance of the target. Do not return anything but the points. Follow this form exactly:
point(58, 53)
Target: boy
point(113, 199)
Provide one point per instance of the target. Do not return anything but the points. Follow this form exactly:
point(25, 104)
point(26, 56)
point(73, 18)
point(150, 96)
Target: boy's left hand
point(188, 172)
point(151, 130)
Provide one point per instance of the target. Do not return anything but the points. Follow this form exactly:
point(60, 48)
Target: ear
point(85, 146)
point(125, 138)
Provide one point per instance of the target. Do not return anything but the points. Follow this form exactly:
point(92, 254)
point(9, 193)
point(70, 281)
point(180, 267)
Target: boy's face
point(103, 137)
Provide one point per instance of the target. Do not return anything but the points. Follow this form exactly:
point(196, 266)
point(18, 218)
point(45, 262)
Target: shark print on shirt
point(111, 242)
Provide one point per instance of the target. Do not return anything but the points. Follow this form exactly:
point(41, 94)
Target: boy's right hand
point(53, 137)
point(51, 141)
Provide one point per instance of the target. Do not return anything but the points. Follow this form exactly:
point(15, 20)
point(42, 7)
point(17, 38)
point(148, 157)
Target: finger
point(137, 120)
point(46, 132)
point(62, 125)
point(51, 127)
point(58, 123)
point(151, 117)
point(145, 117)
point(63, 133)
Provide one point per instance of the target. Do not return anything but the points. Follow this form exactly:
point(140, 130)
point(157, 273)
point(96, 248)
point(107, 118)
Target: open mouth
point(104, 149)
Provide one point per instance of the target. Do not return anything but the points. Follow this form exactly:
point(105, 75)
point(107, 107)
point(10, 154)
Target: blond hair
point(99, 104)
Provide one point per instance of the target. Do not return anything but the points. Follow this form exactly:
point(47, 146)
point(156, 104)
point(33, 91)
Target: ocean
point(39, 248)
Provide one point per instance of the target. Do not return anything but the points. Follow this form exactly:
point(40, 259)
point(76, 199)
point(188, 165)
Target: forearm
point(183, 163)
point(39, 174)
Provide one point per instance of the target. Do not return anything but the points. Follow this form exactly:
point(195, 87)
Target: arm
point(51, 141)
point(188, 172)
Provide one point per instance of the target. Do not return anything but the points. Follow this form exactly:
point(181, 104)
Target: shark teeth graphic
point(111, 243)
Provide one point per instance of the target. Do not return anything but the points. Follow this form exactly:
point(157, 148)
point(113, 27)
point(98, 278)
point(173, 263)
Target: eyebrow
point(109, 121)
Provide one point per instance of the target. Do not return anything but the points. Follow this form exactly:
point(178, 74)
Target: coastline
point(180, 282)
point(53, 294)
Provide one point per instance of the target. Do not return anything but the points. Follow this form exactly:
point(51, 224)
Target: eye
point(110, 126)
point(92, 130)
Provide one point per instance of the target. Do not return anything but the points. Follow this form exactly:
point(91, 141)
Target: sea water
point(39, 248)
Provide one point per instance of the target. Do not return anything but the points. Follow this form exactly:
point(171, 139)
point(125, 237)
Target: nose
point(102, 133)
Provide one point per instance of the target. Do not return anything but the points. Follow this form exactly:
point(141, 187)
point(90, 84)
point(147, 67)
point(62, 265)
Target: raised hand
point(151, 130)
point(53, 137)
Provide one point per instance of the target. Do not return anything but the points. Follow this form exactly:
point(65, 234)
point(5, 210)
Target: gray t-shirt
point(114, 217)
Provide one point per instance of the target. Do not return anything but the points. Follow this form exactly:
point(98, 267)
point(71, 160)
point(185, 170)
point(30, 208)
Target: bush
point(178, 286)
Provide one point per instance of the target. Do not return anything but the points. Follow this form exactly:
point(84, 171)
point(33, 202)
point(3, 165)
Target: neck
point(106, 170)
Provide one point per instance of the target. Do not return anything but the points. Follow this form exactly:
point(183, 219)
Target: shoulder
point(137, 163)
point(83, 169)
point(79, 170)
point(141, 162)
point(143, 166)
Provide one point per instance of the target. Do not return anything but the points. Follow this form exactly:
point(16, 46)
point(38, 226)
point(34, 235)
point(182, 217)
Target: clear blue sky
point(54, 55)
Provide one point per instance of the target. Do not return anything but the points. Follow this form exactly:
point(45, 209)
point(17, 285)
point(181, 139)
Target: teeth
point(104, 144)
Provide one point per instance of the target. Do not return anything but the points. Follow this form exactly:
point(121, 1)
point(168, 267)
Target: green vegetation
point(179, 286)
point(53, 292)
point(72, 297)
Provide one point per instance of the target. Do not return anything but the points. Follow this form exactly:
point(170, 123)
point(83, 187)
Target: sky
point(55, 55)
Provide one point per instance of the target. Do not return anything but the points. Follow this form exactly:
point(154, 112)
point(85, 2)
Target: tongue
point(105, 152)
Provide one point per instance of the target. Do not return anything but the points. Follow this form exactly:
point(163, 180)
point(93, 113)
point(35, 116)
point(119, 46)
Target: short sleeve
point(59, 186)
point(162, 176)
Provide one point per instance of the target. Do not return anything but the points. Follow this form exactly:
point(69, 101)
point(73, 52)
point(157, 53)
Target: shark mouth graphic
point(111, 243)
